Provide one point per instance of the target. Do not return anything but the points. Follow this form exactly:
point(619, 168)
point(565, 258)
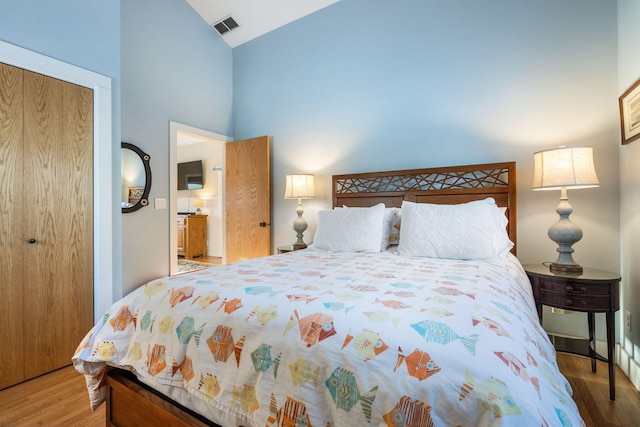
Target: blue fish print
point(261, 358)
point(405, 285)
point(186, 330)
point(146, 322)
point(258, 290)
point(345, 393)
point(336, 306)
point(502, 307)
point(442, 334)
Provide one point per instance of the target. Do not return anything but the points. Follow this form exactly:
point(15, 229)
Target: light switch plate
point(160, 203)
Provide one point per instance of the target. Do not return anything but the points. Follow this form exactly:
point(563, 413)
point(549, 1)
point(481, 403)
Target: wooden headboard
point(442, 185)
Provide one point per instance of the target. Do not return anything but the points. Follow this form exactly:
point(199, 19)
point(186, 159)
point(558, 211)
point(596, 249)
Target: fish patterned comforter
point(315, 338)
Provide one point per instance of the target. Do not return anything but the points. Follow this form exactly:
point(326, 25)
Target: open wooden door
point(247, 199)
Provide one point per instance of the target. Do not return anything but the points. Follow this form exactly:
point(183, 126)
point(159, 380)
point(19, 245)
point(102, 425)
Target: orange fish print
point(179, 295)
point(363, 288)
point(409, 413)
point(453, 292)
point(517, 367)
point(313, 328)
point(185, 367)
point(122, 319)
point(156, 359)
point(301, 297)
point(492, 325)
point(390, 303)
point(419, 364)
point(402, 294)
point(292, 414)
point(222, 346)
point(230, 306)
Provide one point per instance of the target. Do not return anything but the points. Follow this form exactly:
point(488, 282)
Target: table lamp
point(198, 203)
point(300, 186)
point(559, 169)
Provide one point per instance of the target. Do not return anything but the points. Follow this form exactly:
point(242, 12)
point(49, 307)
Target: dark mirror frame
point(144, 200)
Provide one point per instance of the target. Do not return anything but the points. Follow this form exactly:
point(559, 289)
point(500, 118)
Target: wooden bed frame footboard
point(132, 403)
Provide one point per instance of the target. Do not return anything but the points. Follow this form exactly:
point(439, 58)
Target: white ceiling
point(255, 17)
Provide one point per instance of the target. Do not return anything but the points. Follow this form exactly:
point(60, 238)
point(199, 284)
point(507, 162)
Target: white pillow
point(390, 227)
point(468, 231)
point(350, 230)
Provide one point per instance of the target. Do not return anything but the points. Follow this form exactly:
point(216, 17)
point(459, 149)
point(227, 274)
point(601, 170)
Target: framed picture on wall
point(630, 113)
point(135, 194)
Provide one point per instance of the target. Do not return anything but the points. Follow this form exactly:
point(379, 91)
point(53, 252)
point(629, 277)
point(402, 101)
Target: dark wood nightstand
point(287, 248)
point(593, 291)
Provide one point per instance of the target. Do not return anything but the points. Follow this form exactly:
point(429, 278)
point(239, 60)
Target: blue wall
point(366, 85)
point(174, 68)
point(629, 72)
point(85, 34)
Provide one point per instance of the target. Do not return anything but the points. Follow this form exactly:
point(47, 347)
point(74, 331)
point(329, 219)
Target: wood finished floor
point(208, 259)
point(60, 398)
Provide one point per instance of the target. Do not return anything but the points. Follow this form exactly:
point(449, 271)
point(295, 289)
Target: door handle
point(263, 224)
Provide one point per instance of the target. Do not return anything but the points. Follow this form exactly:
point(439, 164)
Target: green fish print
point(345, 393)
point(185, 331)
point(261, 358)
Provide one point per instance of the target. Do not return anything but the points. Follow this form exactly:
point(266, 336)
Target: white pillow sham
point(468, 231)
point(390, 227)
point(350, 230)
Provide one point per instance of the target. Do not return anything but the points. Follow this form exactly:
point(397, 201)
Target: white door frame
point(105, 289)
point(174, 128)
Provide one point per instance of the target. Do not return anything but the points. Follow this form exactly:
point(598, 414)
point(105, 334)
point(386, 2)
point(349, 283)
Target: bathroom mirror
point(136, 178)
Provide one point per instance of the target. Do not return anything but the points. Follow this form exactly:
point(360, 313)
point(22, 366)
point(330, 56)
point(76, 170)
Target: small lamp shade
point(570, 167)
point(198, 203)
point(300, 186)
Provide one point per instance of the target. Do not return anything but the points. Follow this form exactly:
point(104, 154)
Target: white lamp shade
point(300, 186)
point(198, 203)
point(570, 167)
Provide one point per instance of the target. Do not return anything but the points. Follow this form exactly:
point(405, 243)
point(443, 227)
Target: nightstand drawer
point(574, 288)
point(574, 301)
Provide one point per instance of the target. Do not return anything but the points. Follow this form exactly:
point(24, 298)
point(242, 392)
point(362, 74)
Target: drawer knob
point(569, 288)
point(569, 301)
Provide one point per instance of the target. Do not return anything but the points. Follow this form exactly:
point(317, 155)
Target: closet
point(46, 222)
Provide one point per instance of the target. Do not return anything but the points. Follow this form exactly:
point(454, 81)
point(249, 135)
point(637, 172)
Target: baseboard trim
point(628, 365)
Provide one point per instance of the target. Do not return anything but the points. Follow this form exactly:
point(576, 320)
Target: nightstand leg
point(610, 355)
point(592, 343)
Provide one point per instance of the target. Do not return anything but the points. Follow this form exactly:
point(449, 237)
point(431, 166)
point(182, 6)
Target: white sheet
point(346, 339)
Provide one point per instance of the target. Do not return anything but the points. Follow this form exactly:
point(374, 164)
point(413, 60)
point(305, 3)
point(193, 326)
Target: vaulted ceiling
point(254, 17)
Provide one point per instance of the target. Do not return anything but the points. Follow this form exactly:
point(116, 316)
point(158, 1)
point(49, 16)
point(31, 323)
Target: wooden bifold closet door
point(46, 222)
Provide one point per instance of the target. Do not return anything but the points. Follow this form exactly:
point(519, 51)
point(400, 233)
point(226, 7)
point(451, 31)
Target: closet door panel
point(77, 226)
point(58, 283)
point(12, 241)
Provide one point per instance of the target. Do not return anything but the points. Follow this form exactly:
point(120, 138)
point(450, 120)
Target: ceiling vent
point(225, 25)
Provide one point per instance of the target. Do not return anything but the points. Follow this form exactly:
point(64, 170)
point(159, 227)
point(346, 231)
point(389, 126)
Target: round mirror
point(136, 178)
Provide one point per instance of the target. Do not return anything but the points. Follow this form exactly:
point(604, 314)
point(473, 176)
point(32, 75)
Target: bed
point(410, 309)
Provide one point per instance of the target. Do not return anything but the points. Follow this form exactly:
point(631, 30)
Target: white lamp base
point(299, 225)
point(565, 233)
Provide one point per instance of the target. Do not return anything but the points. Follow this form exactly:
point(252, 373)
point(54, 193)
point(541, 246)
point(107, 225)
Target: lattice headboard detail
point(442, 185)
